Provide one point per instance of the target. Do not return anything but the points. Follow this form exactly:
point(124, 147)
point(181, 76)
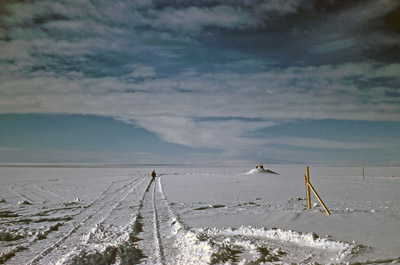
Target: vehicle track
point(112, 244)
point(48, 192)
point(149, 236)
point(156, 229)
point(188, 246)
point(97, 226)
point(18, 194)
point(156, 239)
point(33, 251)
point(74, 237)
point(24, 191)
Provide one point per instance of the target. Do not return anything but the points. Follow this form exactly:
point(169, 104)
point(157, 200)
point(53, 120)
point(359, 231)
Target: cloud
point(282, 7)
point(327, 144)
point(182, 109)
point(139, 72)
point(391, 70)
point(195, 19)
point(335, 45)
point(360, 32)
point(295, 92)
point(166, 67)
point(226, 135)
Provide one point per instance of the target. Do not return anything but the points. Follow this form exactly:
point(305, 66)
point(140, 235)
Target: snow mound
point(260, 170)
point(24, 202)
point(290, 236)
point(265, 245)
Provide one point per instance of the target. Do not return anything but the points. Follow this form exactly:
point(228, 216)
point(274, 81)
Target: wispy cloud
point(225, 135)
point(327, 144)
point(170, 106)
point(360, 32)
point(274, 95)
point(195, 18)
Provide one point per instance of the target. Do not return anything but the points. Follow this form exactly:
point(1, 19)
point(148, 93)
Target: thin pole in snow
point(319, 199)
point(307, 179)
point(308, 188)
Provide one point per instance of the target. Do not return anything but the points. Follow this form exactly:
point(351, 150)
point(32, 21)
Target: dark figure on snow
point(153, 174)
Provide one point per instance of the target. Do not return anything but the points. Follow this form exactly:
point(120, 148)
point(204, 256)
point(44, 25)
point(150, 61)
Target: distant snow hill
point(261, 170)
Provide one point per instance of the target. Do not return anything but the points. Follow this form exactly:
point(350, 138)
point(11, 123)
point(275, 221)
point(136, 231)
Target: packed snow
point(198, 215)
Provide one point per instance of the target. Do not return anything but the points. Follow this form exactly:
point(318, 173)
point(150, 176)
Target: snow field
point(190, 215)
point(363, 227)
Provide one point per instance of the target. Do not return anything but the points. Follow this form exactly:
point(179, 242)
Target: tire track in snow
point(105, 194)
point(103, 219)
point(150, 241)
point(190, 248)
point(156, 230)
point(98, 229)
point(18, 194)
point(123, 250)
point(25, 192)
point(28, 246)
point(48, 192)
point(156, 227)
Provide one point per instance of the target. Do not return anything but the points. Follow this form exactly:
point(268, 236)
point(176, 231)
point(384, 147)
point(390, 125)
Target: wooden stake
point(308, 188)
point(363, 173)
point(320, 200)
point(306, 184)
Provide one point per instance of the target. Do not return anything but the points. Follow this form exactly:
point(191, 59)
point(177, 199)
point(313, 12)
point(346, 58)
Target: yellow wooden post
point(308, 188)
point(363, 173)
point(320, 200)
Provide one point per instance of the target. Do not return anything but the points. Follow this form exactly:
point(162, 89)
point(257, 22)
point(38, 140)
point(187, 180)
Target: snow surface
point(198, 215)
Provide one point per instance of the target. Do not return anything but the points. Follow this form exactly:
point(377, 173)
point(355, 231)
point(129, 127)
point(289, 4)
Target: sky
point(200, 82)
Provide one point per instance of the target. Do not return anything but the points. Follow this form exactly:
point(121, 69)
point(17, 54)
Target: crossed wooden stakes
point(309, 186)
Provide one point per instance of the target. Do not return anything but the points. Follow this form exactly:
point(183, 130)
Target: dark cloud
point(294, 33)
point(392, 20)
point(395, 93)
point(333, 5)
